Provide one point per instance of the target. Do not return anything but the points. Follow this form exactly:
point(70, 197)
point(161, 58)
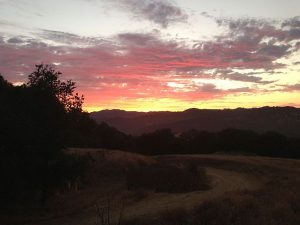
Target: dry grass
point(245, 190)
point(275, 202)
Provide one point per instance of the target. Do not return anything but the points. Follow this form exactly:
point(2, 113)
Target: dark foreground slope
point(243, 190)
point(285, 120)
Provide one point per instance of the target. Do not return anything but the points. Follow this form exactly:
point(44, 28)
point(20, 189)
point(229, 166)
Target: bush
point(171, 179)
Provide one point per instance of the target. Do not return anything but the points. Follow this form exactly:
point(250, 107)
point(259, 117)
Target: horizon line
point(192, 108)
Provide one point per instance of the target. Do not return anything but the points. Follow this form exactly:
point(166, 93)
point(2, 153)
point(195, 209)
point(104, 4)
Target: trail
point(228, 174)
point(222, 182)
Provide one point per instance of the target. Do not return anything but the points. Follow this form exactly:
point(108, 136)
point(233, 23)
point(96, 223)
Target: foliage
point(46, 78)
point(171, 179)
point(160, 141)
point(85, 132)
point(231, 141)
point(33, 120)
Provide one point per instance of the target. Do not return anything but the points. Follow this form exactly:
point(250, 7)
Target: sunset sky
point(151, 55)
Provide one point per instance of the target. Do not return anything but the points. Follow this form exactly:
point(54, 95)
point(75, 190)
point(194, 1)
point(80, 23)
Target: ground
point(258, 180)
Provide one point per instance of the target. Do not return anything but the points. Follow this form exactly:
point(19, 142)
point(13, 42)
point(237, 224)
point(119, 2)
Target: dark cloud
point(238, 90)
point(245, 25)
point(15, 40)
point(207, 15)
point(211, 88)
point(293, 34)
point(260, 42)
point(292, 28)
point(1, 40)
point(275, 51)
point(293, 22)
point(256, 29)
point(162, 12)
point(137, 39)
point(250, 77)
point(294, 87)
point(67, 38)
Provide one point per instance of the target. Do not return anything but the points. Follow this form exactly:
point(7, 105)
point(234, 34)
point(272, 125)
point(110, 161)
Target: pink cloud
point(134, 65)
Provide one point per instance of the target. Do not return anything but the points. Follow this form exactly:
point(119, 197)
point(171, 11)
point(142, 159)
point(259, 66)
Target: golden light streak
point(230, 101)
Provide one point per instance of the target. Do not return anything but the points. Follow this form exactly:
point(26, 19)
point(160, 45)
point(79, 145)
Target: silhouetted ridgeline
point(267, 131)
point(285, 120)
point(164, 141)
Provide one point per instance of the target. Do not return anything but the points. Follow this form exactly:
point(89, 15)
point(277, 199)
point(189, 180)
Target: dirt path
point(222, 182)
point(229, 175)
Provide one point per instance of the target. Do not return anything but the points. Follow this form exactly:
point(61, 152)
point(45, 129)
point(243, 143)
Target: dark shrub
point(161, 178)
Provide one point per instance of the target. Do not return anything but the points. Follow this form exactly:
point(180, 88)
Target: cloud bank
point(144, 65)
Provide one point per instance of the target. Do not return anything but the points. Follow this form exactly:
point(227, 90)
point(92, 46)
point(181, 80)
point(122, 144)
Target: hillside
point(285, 120)
point(243, 190)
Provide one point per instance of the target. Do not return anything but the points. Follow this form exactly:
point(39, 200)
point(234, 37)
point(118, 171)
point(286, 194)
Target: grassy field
point(242, 190)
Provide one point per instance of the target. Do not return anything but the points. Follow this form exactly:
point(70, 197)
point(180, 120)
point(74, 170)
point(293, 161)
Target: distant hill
point(285, 120)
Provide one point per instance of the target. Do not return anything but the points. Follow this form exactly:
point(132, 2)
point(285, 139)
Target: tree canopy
point(46, 79)
point(34, 118)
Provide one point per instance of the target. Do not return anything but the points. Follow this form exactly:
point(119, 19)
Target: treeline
point(227, 141)
point(88, 133)
point(85, 132)
point(164, 141)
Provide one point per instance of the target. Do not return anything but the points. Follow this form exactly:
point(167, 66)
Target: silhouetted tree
point(33, 120)
point(47, 79)
point(3, 83)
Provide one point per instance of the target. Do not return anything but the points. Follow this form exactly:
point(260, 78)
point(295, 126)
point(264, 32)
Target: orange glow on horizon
point(245, 100)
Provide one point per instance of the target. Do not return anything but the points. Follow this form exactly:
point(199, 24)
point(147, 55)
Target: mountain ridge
point(285, 120)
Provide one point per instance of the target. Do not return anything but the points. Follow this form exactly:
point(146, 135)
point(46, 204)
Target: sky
point(158, 55)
